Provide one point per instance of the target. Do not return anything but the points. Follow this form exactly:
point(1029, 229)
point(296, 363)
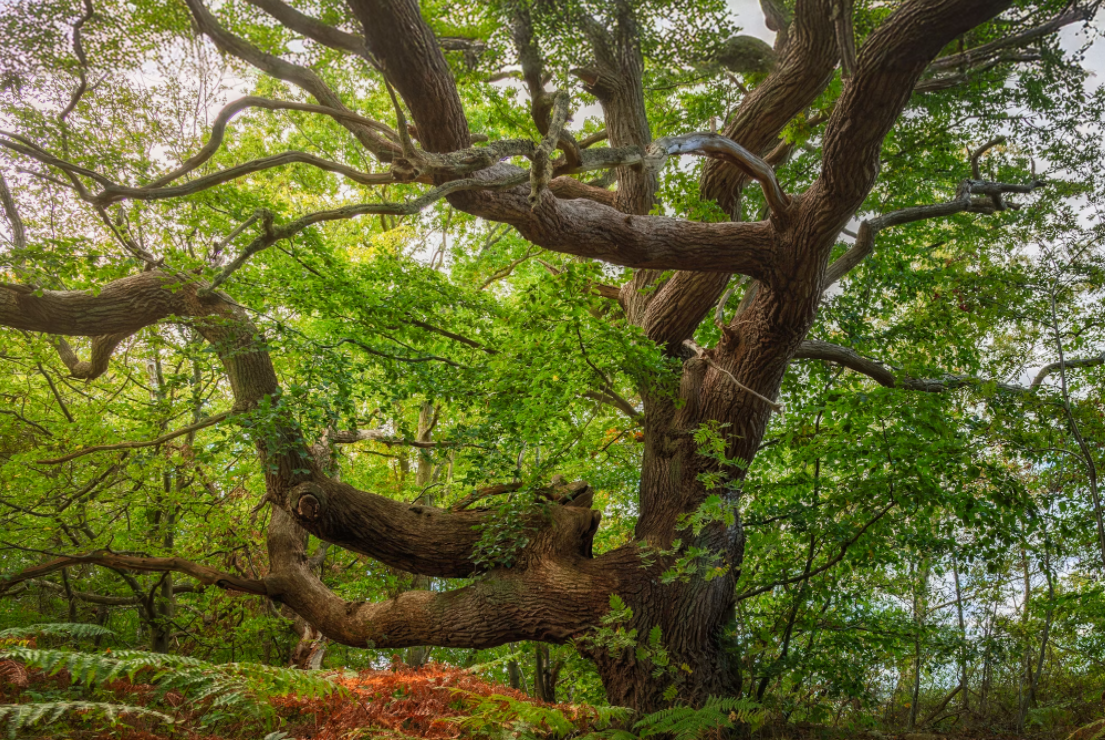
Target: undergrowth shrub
point(227, 692)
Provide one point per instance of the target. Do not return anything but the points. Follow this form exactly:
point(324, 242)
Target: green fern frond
point(76, 630)
point(687, 723)
point(489, 715)
point(22, 716)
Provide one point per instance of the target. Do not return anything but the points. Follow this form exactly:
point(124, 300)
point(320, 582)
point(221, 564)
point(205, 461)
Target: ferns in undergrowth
point(231, 689)
point(491, 715)
point(501, 716)
point(17, 717)
point(243, 685)
point(687, 723)
point(74, 630)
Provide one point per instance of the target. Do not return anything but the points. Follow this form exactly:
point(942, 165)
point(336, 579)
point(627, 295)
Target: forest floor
point(435, 702)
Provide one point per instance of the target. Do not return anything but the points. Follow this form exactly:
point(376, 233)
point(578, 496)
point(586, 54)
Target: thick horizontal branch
point(590, 229)
point(352, 436)
point(428, 541)
point(487, 613)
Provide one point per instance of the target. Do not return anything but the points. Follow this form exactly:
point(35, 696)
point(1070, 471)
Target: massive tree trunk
point(556, 590)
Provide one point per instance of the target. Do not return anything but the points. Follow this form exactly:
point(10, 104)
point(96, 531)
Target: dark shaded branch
point(806, 64)
point(845, 36)
point(946, 82)
point(108, 600)
point(883, 374)
point(313, 28)
point(82, 61)
point(1071, 14)
point(113, 192)
point(889, 66)
point(118, 561)
point(808, 56)
point(27, 421)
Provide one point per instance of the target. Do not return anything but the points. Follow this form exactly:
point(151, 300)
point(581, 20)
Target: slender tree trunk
point(546, 674)
point(964, 699)
point(1083, 448)
point(920, 602)
point(1032, 677)
point(427, 419)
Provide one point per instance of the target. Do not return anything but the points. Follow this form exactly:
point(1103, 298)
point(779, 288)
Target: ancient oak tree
point(839, 78)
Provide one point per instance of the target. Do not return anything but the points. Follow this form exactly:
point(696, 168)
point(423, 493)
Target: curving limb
point(112, 192)
point(1075, 12)
point(209, 421)
point(889, 65)
point(314, 29)
point(722, 148)
point(301, 77)
point(885, 375)
point(102, 348)
point(218, 130)
point(972, 196)
point(109, 559)
point(418, 539)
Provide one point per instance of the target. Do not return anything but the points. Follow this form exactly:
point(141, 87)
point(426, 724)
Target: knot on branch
point(308, 501)
point(404, 170)
point(577, 494)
